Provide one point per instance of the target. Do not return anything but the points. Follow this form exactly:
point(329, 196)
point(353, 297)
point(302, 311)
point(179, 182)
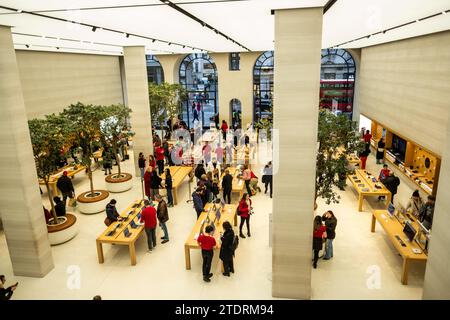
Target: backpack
point(235, 243)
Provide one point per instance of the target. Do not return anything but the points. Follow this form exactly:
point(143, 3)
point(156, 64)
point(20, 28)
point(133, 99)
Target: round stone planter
point(90, 204)
point(65, 230)
point(119, 183)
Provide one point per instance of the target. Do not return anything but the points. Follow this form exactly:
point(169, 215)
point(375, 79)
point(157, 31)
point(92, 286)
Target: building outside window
point(155, 71)
point(235, 61)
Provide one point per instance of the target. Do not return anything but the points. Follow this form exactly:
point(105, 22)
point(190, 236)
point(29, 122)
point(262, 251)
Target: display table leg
point(235, 220)
point(175, 195)
point(374, 221)
point(54, 190)
point(132, 253)
point(405, 271)
point(101, 258)
point(389, 197)
point(187, 256)
point(360, 203)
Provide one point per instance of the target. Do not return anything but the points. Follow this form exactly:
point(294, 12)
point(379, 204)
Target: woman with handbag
point(244, 211)
point(319, 233)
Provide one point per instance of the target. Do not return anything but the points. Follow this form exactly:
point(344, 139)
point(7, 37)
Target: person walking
point(168, 184)
point(195, 116)
point(198, 202)
point(415, 204)
point(227, 186)
point(155, 184)
point(148, 217)
point(380, 151)
point(64, 184)
point(244, 211)
point(107, 158)
point(148, 182)
point(111, 212)
point(226, 249)
point(247, 177)
point(141, 163)
point(319, 233)
point(163, 216)
point(159, 151)
point(363, 157)
point(267, 178)
point(330, 224)
point(207, 244)
point(224, 129)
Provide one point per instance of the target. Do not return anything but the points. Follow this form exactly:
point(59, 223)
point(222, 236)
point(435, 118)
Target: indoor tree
point(83, 122)
point(266, 124)
point(48, 139)
point(115, 127)
point(165, 101)
point(337, 138)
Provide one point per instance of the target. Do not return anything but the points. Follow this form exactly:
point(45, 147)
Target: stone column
point(136, 88)
point(437, 275)
point(298, 36)
point(20, 201)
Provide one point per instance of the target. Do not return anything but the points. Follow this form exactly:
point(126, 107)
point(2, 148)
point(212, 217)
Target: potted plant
point(337, 138)
point(114, 130)
point(48, 138)
point(84, 123)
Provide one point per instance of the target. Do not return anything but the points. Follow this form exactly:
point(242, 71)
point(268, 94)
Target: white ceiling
point(249, 22)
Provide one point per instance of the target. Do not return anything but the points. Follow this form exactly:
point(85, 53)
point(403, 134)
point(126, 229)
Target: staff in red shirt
point(366, 139)
point(148, 217)
point(159, 151)
point(244, 209)
point(224, 129)
point(151, 161)
point(384, 173)
point(319, 233)
point(207, 243)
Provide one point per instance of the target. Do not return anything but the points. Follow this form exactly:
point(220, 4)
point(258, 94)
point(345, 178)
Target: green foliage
point(266, 124)
point(165, 101)
point(48, 138)
point(337, 138)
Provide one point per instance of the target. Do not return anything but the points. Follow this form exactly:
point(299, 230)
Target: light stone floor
point(358, 256)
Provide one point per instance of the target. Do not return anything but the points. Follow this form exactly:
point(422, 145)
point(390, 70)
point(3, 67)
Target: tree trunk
point(50, 197)
point(91, 182)
point(114, 146)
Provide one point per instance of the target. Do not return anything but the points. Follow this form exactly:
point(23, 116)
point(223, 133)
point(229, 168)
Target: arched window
point(263, 86)
point(198, 74)
point(155, 72)
point(236, 113)
point(337, 81)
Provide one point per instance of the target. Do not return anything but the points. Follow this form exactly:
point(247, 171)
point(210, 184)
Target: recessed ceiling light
point(444, 12)
point(127, 35)
point(27, 45)
point(19, 10)
point(153, 40)
point(417, 20)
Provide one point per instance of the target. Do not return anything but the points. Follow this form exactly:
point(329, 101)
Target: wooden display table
point(71, 172)
point(210, 136)
point(119, 237)
point(365, 187)
point(178, 173)
point(238, 184)
point(394, 228)
point(229, 214)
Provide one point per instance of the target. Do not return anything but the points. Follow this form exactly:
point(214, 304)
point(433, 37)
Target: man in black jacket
point(330, 223)
point(227, 186)
point(163, 216)
point(426, 212)
point(391, 183)
point(111, 211)
point(60, 207)
point(6, 293)
point(199, 171)
point(65, 185)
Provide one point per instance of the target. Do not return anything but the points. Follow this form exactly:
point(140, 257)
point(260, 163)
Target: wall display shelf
point(417, 163)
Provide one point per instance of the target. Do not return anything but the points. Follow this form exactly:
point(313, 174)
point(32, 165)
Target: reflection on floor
point(162, 274)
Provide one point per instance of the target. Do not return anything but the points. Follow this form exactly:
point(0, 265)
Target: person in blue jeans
point(163, 216)
point(168, 186)
point(330, 223)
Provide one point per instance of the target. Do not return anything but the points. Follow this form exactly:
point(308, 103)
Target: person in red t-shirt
point(366, 139)
point(159, 151)
point(207, 243)
point(151, 161)
point(148, 217)
point(319, 233)
point(224, 129)
point(384, 173)
point(244, 209)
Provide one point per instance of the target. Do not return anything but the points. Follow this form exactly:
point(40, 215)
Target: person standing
point(6, 293)
point(330, 224)
point(267, 178)
point(141, 163)
point(427, 212)
point(60, 208)
point(246, 176)
point(168, 184)
point(151, 162)
point(384, 173)
point(195, 116)
point(380, 151)
point(160, 159)
point(224, 129)
point(148, 217)
point(167, 153)
point(206, 152)
point(415, 204)
point(107, 161)
point(207, 244)
point(198, 202)
point(64, 184)
point(363, 157)
point(226, 249)
point(244, 211)
point(219, 154)
point(319, 233)
point(392, 182)
point(200, 171)
point(367, 137)
point(111, 211)
point(163, 216)
point(155, 184)
point(227, 186)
